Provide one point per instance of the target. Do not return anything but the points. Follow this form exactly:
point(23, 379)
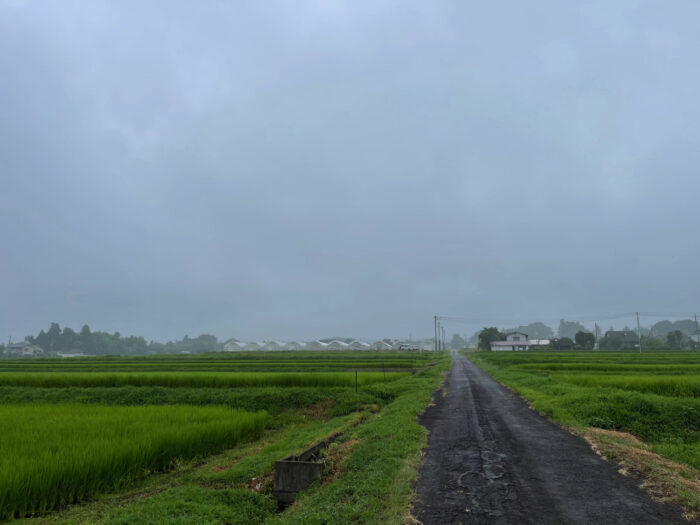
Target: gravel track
point(492, 459)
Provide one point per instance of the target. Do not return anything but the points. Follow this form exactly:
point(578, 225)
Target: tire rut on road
point(491, 459)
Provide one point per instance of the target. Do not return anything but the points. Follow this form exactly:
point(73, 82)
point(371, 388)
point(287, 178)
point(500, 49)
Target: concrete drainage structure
point(295, 473)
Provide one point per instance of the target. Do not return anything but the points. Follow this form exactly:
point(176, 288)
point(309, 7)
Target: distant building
point(23, 349)
point(358, 345)
point(234, 346)
point(515, 341)
point(293, 345)
point(380, 345)
point(337, 345)
point(427, 345)
point(316, 345)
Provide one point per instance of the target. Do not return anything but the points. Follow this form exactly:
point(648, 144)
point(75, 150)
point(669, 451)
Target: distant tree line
point(571, 335)
point(56, 340)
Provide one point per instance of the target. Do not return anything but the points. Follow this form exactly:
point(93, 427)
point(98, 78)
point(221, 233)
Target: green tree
point(535, 330)
point(85, 339)
point(652, 343)
point(488, 335)
point(457, 342)
point(610, 343)
point(674, 339)
point(585, 340)
point(69, 340)
point(562, 343)
point(53, 337)
point(569, 329)
point(42, 340)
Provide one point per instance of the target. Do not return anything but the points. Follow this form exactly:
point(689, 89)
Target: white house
point(515, 341)
point(23, 349)
point(427, 345)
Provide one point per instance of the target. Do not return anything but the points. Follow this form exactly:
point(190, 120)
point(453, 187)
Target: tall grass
point(194, 379)
point(675, 386)
point(238, 361)
point(55, 455)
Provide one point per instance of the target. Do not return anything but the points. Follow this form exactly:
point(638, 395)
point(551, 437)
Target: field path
point(491, 459)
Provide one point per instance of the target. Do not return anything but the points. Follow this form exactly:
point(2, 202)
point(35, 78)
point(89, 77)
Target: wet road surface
point(491, 459)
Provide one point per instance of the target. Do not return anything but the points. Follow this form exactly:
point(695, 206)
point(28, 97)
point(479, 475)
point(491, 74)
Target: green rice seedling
point(194, 379)
point(675, 386)
point(54, 455)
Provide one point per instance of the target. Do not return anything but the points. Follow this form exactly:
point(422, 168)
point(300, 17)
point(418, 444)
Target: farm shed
point(337, 345)
point(234, 346)
point(358, 345)
point(316, 345)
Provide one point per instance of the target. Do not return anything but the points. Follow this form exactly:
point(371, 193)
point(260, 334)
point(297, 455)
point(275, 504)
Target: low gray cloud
point(269, 170)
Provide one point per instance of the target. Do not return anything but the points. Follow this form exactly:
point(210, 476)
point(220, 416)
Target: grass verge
point(664, 479)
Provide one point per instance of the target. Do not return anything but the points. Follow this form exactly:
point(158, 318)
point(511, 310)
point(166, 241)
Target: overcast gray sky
point(296, 170)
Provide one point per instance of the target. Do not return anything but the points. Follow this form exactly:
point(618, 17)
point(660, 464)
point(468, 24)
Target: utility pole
point(435, 326)
point(639, 333)
point(697, 332)
point(439, 337)
point(443, 337)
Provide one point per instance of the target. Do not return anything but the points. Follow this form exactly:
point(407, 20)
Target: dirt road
point(491, 459)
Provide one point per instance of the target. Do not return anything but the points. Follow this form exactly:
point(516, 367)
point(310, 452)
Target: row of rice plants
point(258, 356)
point(220, 366)
point(54, 455)
point(597, 358)
point(195, 379)
point(671, 385)
point(612, 367)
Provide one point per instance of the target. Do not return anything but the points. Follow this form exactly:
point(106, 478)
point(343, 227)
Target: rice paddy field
point(83, 439)
point(54, 455)
point(195, 379)
point(654, 396)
